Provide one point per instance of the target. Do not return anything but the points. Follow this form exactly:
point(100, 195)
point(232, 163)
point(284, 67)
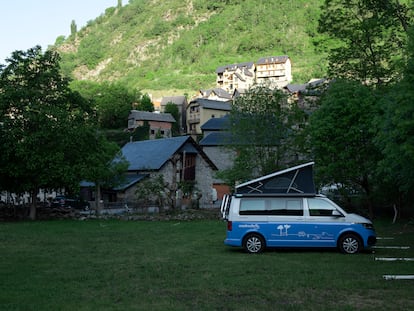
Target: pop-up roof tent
point(294, 180)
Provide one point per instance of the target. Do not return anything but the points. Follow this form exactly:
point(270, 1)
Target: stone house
point(215, 142)
point(200, 110)
point(177, 159)
point(159, 123)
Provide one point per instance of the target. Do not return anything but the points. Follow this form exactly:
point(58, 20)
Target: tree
point(73, 28)
point(342, 137)
point(370, 38)
point(262, 134)
point(112, 101)
point(45, 127)
point(145, 104)
point(172, 109)
point(152, 190)
point(396, 135)
point(103, 164)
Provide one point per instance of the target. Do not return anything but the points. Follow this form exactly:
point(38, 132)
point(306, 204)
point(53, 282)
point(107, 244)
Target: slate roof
point(305, 88)
point(216, 124)
point(216, 139)
point(218, 91)
point(151, 116)
point(273, 60)
point(233, 67)
point(295, 88)
point(212, 104)
point(151, 155)
point(130, 180)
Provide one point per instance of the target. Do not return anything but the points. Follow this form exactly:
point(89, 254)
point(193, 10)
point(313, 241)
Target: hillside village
point(188, 163)
point(199, 153)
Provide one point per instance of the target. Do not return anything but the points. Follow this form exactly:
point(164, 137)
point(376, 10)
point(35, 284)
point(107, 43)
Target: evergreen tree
point(73, 28)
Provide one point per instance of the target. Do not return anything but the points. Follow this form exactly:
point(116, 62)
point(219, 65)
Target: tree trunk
point(98, 204)
point(366, 186)
point(32, 214)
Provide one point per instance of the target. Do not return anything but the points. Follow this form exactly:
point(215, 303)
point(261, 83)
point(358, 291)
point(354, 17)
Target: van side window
point(252, 207)
point(318, 207)
point(294, 207)
point(283, 207)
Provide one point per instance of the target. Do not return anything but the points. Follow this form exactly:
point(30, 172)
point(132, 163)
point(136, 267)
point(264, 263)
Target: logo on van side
point(283, 231)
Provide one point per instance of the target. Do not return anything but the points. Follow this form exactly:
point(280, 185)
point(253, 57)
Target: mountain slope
point(175, 44)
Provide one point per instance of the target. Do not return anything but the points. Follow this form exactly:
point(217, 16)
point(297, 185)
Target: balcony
point(193, 118)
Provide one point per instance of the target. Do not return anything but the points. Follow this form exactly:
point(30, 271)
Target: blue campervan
point(283, 210)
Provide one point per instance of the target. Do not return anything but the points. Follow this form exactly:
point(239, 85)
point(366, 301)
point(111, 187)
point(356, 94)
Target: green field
point(179, 265)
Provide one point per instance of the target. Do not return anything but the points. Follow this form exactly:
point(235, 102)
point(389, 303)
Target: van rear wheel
point(254, 243)
point(350, 244)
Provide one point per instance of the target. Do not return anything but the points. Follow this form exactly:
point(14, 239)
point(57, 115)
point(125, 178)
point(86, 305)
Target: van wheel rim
point(350, 245)
point(254, 245)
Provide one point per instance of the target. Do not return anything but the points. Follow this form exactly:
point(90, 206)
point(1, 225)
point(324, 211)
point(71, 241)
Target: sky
point(27, 23)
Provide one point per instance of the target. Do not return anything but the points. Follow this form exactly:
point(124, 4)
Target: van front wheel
point(254, 243)
point(350, 244)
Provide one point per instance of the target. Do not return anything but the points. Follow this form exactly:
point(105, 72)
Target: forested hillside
point(177, 45)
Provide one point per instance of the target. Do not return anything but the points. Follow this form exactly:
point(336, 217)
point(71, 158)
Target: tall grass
point(171, 265)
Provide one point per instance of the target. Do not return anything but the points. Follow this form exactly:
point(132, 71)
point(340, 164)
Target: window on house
point(189, 166)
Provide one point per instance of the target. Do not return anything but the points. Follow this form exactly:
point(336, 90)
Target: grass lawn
point(172, 265)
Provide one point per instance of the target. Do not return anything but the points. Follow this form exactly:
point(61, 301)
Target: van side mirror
point(336, 213)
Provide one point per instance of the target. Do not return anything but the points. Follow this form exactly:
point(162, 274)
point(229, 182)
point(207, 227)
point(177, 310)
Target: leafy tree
point(152, 190)
point(112, 101)
point(262, 133)
point(370, 34)
point(172, 109)
point(396, 135)
point(43, 126)
point(102, 164)
point(145, 104)
point(342, 137)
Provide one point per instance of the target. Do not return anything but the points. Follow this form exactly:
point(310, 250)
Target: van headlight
point(367, 225)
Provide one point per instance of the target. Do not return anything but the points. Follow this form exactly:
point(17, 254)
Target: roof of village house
point(307, 87)
point(151, 116)
point(273, 60)
point(218, 91)
point(216, 124)
point(217, 139)
point(151, 155)
point(233, 67)
point(295, 88)
point(178, 100)
point(212, 104)
point(129, 180)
